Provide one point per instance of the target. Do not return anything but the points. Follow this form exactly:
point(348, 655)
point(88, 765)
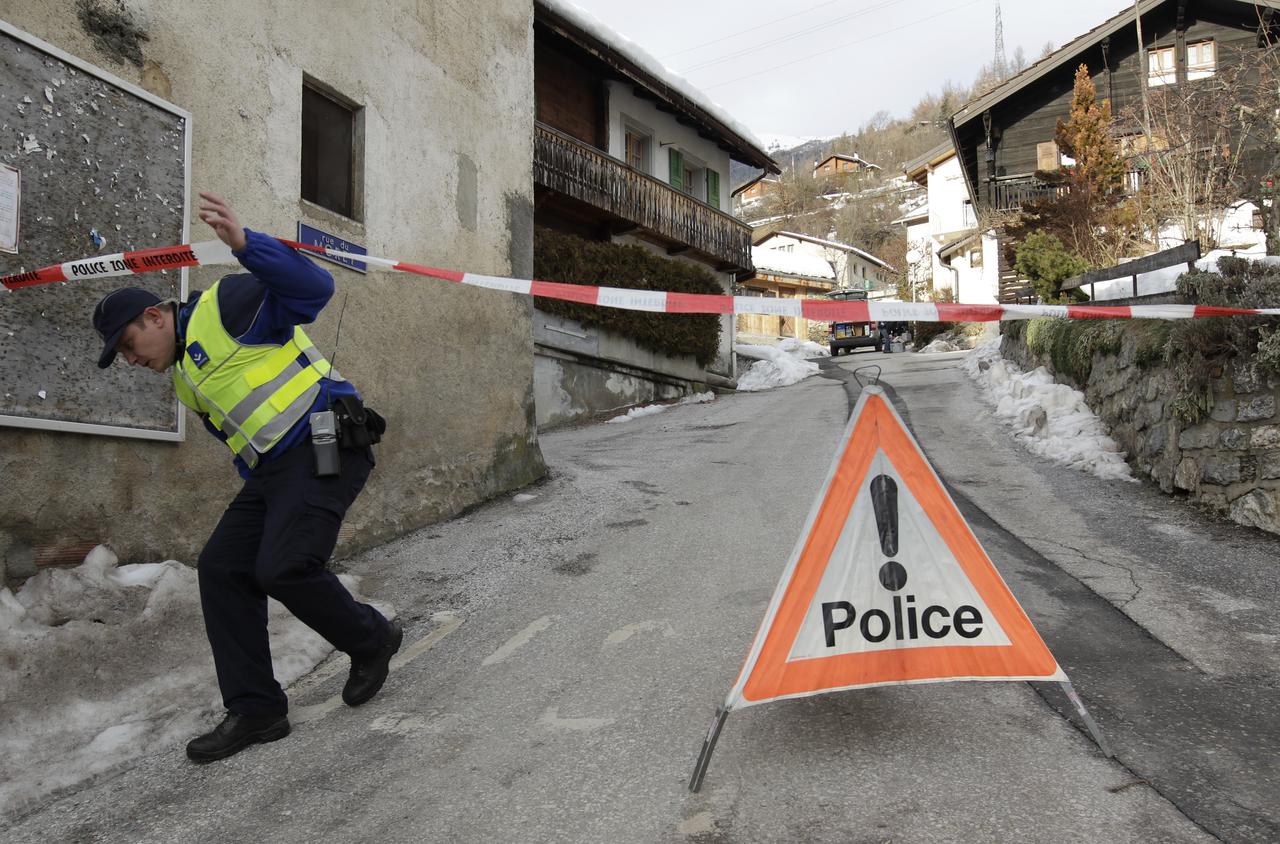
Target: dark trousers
point(274, 540)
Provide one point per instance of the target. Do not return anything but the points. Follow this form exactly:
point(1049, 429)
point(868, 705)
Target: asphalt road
point(566, 651)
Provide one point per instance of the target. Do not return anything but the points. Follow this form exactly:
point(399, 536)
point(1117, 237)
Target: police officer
point(242, 362)
point(886, 336)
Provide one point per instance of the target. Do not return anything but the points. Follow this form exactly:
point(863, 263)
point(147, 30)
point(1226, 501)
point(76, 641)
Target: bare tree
point(1214, 141)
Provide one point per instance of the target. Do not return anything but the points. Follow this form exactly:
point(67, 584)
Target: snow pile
point(774, 367)
point(804, 348)
point(957, 339)
point(1048, 418)
point(939, 345)
point(651, 409)
point(100, 665)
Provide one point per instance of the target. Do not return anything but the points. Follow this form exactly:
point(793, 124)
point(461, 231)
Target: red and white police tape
point(214, 252)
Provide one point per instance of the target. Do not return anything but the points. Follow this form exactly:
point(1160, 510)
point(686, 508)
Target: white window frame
point(1206, 64)
point(695, 175)
point(635, 127)
point(1162, 66)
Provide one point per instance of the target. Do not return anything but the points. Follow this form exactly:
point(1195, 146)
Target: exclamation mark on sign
point(884, 500)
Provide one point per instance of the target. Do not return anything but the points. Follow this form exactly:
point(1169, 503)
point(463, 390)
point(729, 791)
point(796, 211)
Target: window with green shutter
point(677, 168)
point(713, 188)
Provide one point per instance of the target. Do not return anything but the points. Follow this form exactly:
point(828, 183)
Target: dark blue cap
point(114, 313)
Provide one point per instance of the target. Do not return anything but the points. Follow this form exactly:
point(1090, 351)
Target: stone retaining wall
point(1228, 461)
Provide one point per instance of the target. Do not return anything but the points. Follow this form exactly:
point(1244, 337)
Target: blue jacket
point(282, 289)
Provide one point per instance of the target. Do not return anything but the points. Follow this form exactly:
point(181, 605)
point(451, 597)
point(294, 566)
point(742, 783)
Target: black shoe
point(234, 734)
point(368, 674)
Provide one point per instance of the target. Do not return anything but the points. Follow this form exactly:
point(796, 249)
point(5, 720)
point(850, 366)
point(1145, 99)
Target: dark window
point(329, 166)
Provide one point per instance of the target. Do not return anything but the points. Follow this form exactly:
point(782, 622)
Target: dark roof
point(855, 158)
point(975, 107)
point(937, 155)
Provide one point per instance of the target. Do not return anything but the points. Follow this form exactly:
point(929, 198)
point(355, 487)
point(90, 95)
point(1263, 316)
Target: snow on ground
point(651, 409)
point(937, 346)
point(101, 664)
point(804, 348)
point(1048, 418)
point(778, 366)
point(955, 340)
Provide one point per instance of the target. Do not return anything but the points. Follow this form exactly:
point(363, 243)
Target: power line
point(843, 46)
point(751, 29)
point(783, 39)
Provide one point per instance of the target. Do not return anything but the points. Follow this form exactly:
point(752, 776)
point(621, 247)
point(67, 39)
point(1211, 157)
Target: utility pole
point(1144, 71)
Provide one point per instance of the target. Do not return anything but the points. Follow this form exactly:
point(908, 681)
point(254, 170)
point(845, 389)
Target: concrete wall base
point(571, 388)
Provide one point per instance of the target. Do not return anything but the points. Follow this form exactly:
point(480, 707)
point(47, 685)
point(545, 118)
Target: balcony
point(568, 166)
point(1012, 194)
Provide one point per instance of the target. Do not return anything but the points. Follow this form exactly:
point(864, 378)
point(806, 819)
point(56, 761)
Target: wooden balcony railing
point(566, 165)
point(1012, 194)
point(1015, 192)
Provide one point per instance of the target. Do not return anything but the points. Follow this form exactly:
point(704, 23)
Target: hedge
point(570, 259)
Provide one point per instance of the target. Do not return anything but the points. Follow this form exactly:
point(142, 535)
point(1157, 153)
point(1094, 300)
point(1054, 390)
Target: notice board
point(102, 167)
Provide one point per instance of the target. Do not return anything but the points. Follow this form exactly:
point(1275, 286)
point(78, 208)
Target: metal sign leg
point(708, 747)
point(1088, 719)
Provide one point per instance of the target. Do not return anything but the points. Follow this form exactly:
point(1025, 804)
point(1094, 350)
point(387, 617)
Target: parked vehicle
point(847, 336)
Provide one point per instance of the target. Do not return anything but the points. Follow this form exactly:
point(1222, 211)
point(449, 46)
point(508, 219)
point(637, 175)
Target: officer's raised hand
point(218, 214)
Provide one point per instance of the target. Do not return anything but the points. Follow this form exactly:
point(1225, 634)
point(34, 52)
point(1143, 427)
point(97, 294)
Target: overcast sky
point(832, 64)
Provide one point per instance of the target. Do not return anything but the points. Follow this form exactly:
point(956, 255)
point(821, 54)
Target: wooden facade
point(838, 164)
point(1005, 136)
point(782, 287)
point(569, 94)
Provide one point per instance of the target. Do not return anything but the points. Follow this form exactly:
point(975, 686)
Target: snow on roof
point(592, 25)
point(777, 262)
point(913, 215)
point(832, 244)
point(855, 158)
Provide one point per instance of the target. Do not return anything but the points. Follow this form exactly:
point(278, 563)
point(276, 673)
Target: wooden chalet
point(1005, 136)
point(838, 164)
point(623, 150)
point(784, 274)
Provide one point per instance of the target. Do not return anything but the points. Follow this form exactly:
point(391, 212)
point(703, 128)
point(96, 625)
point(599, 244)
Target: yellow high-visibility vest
point(253, 394)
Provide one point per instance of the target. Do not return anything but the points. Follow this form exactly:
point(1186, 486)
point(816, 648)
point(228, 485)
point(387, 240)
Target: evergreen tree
point(1086, 137)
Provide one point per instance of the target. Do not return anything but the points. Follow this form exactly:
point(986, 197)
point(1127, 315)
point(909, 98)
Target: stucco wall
point(447, 91)
point(947, 196)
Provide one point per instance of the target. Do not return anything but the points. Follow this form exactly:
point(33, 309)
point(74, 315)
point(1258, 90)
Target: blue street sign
point(315, 237)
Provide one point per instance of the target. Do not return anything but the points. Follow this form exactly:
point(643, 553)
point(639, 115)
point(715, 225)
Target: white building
point(947, 245)
point(853, 267)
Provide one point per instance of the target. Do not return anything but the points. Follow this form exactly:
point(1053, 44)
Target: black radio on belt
point(347, 424)
point(324, 443)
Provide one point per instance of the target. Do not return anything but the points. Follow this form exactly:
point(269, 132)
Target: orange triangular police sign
point(888, 584)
